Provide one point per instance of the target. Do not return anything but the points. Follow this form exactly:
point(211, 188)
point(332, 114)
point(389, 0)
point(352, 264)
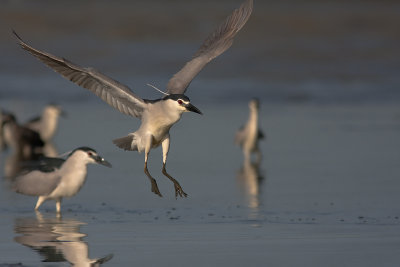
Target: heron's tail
point(126, 143)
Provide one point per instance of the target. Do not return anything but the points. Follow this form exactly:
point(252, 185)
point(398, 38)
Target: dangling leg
point(178, 188)
point(58, 205)
point(154, 187)
point(40, 201)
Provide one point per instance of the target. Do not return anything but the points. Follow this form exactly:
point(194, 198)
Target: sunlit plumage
point(55, 178)
point(249, 135)
point(157, 116)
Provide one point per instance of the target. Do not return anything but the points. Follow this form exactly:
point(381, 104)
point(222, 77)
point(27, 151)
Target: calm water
point(326, 192)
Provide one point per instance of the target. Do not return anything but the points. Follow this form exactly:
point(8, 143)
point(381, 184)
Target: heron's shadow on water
point(56, 240)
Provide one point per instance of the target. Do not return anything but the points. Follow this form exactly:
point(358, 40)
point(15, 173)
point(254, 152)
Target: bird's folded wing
point(44, 164)
point(239, 136)
point(112, 92)
point(36, 183)
point(216, 43)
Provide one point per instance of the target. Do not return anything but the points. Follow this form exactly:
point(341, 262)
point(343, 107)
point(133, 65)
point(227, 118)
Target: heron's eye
point(90, 153)
point(180, 102)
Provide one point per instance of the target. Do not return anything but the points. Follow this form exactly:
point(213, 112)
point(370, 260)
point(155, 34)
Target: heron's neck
point(49, 124)
point(76, 166)
point(253, 116)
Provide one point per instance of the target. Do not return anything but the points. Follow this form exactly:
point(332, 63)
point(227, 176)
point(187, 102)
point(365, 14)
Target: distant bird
point(247, 137)
point(55, 178)
point(3, 144)
point(159, 115)
point(46, 124)
point(24, 141)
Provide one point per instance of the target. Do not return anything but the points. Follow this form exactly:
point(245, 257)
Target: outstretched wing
point(112, 92)
point(36, 183)
point(216, 43)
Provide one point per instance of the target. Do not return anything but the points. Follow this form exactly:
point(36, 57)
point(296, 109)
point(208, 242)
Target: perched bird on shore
point(247, 137)
point(46, 124)
point(55, 178)
point(159, 115)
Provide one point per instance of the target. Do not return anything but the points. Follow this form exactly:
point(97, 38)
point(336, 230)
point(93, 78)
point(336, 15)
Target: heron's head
point(7, 118)
point(89, 155)
point(254, 104)
point(54, 110)
point(181, 103)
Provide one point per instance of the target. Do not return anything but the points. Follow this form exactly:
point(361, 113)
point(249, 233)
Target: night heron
point(55, 178)
point(159, 115)
point(24, 141)
point(247, 137)
point(46, 124)
point(4, 117)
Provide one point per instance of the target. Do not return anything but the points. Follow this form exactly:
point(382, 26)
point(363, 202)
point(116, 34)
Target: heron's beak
point(102, 161)
point(192, 108)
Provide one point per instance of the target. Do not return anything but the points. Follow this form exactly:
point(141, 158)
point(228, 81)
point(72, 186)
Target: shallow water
point(326, 192)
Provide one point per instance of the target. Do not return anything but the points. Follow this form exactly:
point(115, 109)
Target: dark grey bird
point(55, 178)
point(248, 136)
point(24, 141)
point(4, 117)
point(157, 116)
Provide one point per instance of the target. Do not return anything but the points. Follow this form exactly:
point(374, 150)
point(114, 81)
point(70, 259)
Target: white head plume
point(152, 86)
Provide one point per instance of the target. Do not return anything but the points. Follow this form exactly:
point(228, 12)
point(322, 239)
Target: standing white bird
point(157, 116)
point(55, 178)
point(247, 137)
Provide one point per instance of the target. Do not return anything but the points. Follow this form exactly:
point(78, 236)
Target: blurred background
point(300, 51)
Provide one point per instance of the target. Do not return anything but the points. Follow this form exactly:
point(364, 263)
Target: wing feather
point(216, 43)
point(36, 183)
point(112, 92)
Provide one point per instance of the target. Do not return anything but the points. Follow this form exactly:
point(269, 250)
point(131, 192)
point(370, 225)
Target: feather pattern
point(37, 183)
point(112, 92)
point(216, 43)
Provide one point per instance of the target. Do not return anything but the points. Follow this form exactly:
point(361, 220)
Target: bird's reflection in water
point(56, 240)
point(249, 179)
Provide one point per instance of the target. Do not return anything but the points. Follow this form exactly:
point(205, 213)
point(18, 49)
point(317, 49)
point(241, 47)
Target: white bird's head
point(181, 103)
point(89, 155)
point(254, 104)
point(54, 110)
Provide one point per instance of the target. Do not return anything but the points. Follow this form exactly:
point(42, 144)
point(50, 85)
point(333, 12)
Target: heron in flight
point(159, 115)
